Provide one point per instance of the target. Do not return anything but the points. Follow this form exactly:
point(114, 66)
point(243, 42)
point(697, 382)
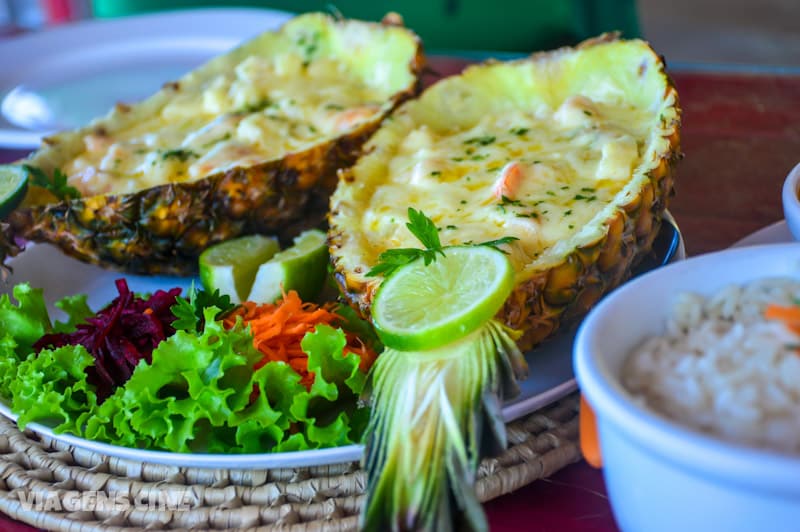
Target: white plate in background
point(63, 77)
point(771, 234)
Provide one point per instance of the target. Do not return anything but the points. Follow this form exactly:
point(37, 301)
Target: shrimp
point(576, 111)
point(350, 117)
point(509, 180)
point(97, 143)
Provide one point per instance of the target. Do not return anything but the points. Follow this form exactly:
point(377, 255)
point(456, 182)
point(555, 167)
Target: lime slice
point(422, 307)
point(13, 185)
point(301, 267)
point(231, 266)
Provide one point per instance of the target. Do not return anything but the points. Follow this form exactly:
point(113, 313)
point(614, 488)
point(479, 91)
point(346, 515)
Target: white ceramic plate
point(772, 234)
point(42, 265)
point(63, 77)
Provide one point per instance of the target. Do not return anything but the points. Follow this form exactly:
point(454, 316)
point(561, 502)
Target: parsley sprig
point(189, 311)
point(427, 233)
point(57, 185)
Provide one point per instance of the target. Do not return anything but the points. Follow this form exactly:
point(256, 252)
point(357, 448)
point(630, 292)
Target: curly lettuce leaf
point(194, 384)
point(352, 322)
point(77, 311)
point(265, 424)
point(51, 387)
point(200, 393)
point(8, 364)
point(327, 410)
point(27, 321)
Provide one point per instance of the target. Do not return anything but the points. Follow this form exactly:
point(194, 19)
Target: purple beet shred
point(120, 335)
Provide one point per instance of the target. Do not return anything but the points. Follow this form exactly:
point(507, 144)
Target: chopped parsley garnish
point(57, 185)
point(255, 107)
point(308, 45)
point(579, 197)
point(180, 154)
point(505, 200)
point(436, 173)
point(334, 107)
point(519, 130)
point(481, 141)
point(217, 140)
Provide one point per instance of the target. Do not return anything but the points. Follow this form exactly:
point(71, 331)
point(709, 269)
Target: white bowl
point(791, 203)
point(661, 475)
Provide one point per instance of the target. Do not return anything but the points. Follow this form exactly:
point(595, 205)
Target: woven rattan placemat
point(54, 486)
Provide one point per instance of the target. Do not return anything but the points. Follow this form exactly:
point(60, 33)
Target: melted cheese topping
point(540, 177)
point(258, 111)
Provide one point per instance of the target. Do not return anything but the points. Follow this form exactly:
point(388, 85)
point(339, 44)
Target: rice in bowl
point(723, 368)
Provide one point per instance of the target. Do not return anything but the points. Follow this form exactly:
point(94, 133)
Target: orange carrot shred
point(278, 328)
point(790, 316)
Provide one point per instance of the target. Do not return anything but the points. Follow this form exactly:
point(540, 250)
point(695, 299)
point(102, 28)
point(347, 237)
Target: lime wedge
point(13, 185)
point(231, 266)
point(422, 307)
point(301, 267)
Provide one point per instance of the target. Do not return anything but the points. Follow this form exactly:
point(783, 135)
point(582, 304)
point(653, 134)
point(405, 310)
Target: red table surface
point(741, 137)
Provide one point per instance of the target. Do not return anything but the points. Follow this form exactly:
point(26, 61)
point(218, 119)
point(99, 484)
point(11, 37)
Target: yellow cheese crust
point(281, 93)
point(527, 150)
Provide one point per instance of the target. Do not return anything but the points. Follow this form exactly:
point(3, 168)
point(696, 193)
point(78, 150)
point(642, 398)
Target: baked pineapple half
point(569, 151)
point(249, 142)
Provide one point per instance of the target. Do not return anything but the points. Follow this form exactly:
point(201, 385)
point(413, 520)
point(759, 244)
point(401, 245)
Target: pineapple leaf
point(445, 405)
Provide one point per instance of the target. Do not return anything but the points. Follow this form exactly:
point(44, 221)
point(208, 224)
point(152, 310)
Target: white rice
point(722, 368)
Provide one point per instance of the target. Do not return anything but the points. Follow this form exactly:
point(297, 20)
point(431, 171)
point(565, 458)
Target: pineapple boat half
point(249, 142)
point(569, 151)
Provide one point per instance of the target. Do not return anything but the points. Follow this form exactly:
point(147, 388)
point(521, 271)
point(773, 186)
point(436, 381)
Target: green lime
point(231, 266)
point(301, 267)
point(421, 307)
point(13, 185)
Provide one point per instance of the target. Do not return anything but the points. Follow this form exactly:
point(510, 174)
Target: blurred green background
point(501, 25)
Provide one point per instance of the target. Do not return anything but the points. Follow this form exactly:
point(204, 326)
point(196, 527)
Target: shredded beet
point(120, 335)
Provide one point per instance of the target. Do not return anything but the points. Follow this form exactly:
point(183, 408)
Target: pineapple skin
point(163, 229)
point(561, 295)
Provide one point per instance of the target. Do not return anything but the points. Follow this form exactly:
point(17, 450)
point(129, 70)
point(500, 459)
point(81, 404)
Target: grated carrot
point(790, 316)
point(279, 328)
